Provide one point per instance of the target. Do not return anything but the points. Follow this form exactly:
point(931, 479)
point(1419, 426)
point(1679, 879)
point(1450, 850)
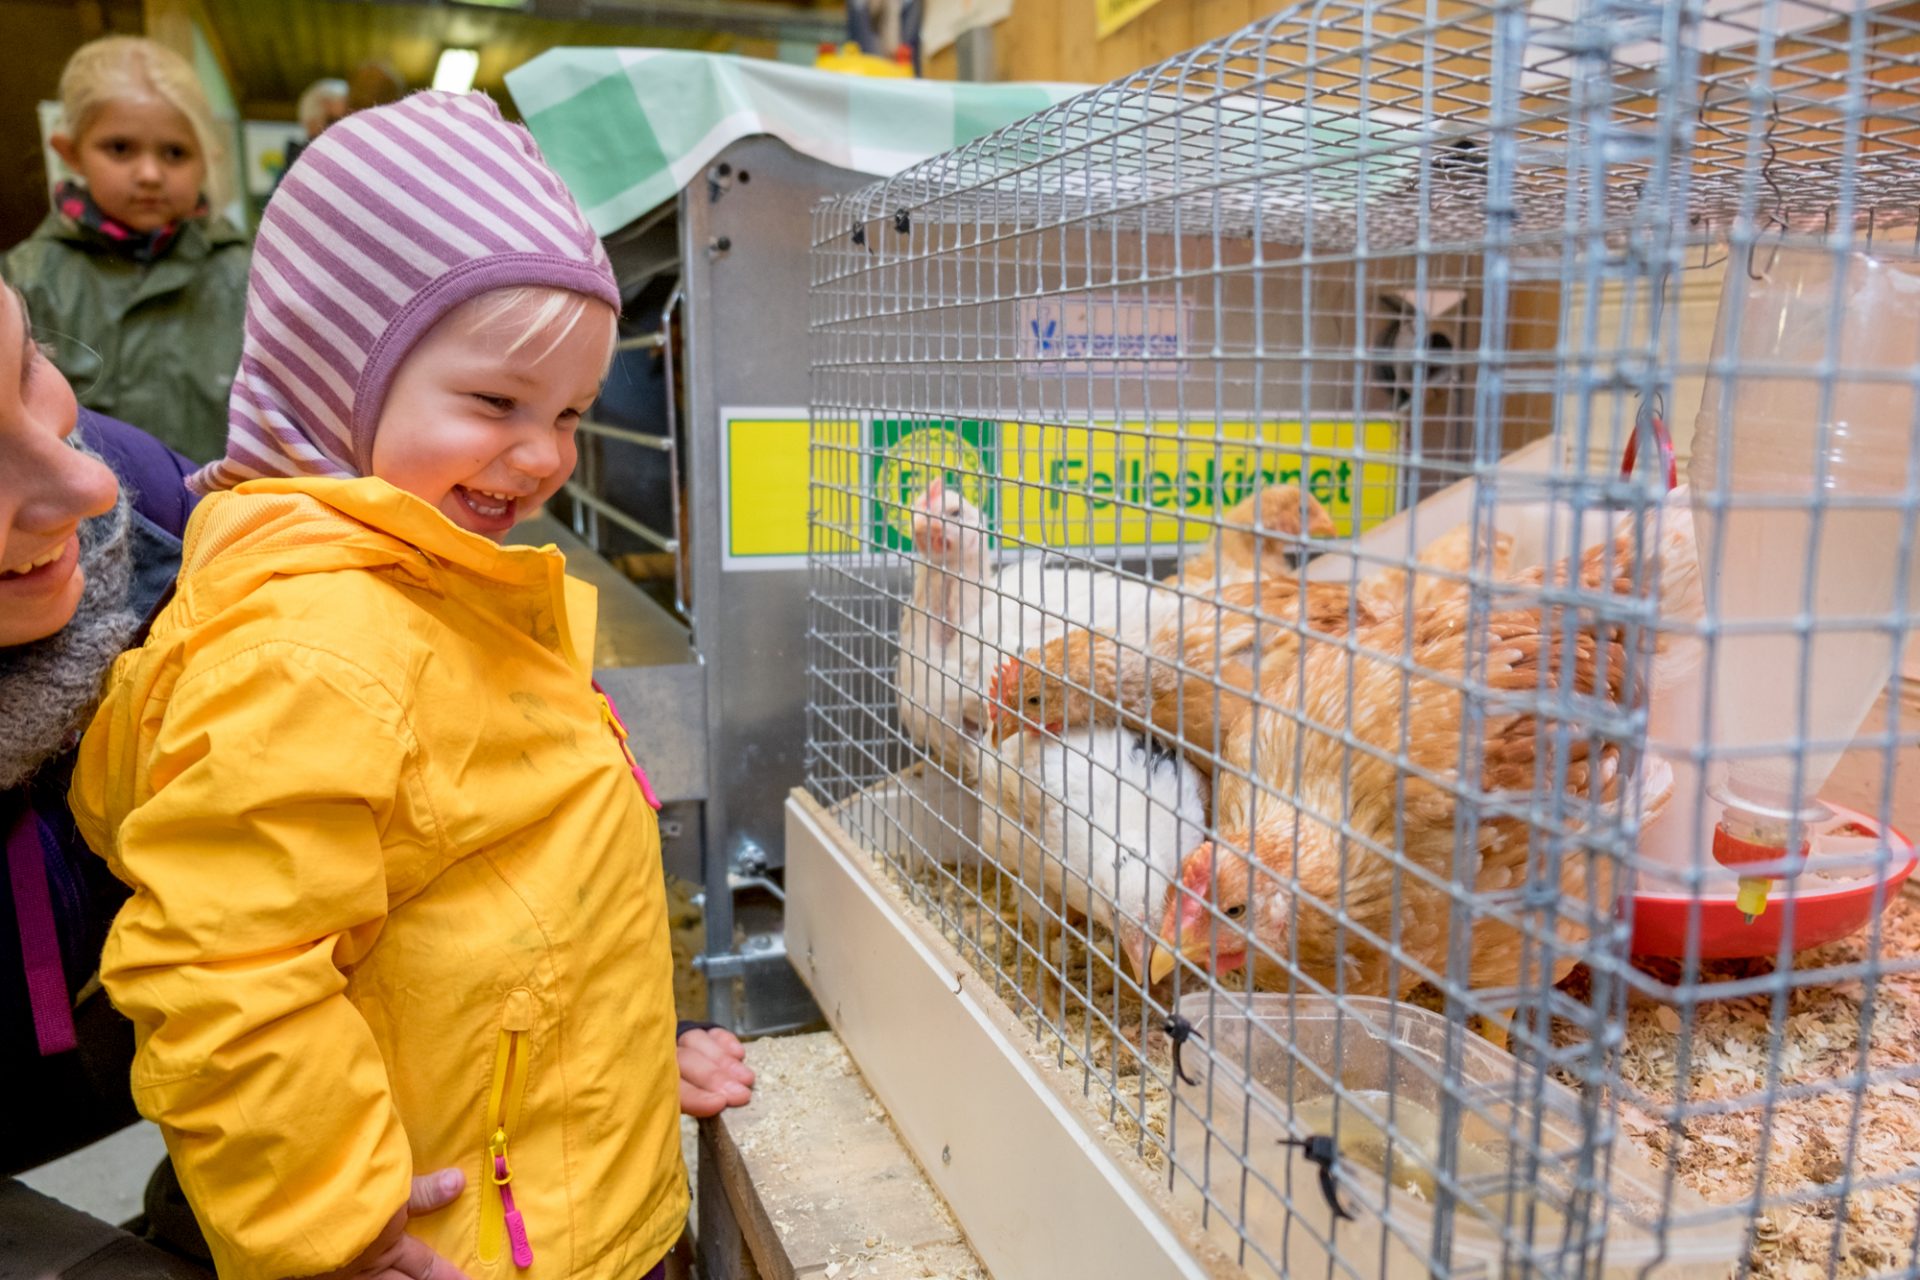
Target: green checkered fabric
point(627, 128)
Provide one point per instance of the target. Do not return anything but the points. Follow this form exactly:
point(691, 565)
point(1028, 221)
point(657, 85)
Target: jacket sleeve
point(259, 881)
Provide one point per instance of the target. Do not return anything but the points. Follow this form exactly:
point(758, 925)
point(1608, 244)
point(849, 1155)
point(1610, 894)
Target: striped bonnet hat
point(391, 219)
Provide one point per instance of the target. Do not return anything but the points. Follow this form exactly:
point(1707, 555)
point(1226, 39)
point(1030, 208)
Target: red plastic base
point(1731, 851)
point(1819, 913)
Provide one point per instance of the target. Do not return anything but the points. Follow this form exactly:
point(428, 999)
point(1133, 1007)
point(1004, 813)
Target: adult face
point(46, 487)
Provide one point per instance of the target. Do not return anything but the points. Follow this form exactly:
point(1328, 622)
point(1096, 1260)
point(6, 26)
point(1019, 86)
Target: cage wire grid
point(1298, 281)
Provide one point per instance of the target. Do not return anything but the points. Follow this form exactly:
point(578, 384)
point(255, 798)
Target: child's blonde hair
point(118, 68)
point(535, 311)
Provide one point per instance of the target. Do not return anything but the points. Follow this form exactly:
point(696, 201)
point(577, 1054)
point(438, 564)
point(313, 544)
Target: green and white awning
point(628, 128)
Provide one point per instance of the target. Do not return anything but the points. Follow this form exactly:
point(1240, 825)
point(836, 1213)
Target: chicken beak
point(1160, 965)
point(1162, 960)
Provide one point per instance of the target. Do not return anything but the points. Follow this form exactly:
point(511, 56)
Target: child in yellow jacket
point(397, 894)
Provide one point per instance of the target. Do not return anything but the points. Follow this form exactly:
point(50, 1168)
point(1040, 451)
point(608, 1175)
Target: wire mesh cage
point(1347, 570)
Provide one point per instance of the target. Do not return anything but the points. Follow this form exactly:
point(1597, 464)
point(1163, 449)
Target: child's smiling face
point(140, 160)
point(481, 416)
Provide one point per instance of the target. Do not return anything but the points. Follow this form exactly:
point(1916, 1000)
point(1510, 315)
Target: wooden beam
point(91, 17)
point(172, 23)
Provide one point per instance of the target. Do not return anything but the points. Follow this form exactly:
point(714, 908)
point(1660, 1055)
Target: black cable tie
point(859, 235)
point(1319, 1149)
point(1179, 1030)
point(902, 223)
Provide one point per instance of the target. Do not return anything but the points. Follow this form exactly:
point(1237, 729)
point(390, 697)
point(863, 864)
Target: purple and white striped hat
point(391, 219)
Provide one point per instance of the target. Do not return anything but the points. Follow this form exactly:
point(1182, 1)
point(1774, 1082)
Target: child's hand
point(395, 1255)
point(713, 1073)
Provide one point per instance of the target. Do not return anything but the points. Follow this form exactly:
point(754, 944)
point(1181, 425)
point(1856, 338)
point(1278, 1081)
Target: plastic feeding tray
point(1374, 1077)
point(1850, 874)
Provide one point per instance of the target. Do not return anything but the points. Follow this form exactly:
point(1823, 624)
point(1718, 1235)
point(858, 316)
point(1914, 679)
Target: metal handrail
point(600, 507)
point(673, 449)
point(589, 427)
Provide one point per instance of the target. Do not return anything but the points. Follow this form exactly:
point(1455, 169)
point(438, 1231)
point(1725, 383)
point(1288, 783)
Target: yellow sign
point(1111, 15)
point(1130, 484)
point(769, 510)
point(1102, 484)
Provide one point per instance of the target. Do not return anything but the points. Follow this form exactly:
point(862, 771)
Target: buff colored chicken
point(961, 623)
point(1201, 661)
point(1337, 827)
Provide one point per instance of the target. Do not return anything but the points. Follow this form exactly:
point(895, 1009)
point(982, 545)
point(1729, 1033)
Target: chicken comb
point(1005, 680)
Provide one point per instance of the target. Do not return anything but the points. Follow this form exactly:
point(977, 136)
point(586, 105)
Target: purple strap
point(39, 941)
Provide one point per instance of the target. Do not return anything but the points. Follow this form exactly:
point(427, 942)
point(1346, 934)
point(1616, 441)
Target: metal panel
point(665, 711)
point(746, 344)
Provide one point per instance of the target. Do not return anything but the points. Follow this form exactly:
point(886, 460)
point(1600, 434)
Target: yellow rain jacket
point(398, 900)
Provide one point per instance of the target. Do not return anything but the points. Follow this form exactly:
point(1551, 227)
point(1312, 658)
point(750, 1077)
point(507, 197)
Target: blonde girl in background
point(137, 290)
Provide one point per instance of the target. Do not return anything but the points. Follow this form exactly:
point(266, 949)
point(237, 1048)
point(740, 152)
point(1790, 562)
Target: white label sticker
point(1139, 338)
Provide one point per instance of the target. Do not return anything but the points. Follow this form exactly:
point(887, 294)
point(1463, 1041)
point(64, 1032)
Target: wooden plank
point(723, 1250)
point(1215, 18)
point(954, 1070)
point(831, 1174)
point(745, 1243)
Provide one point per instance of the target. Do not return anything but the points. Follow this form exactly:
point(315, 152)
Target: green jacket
point(154, 345)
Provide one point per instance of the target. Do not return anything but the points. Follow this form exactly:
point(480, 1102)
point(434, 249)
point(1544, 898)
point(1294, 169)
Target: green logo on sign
point(908, 453)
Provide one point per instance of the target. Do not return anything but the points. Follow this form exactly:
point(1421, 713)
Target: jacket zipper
point(611, 718)
point(499, 1215)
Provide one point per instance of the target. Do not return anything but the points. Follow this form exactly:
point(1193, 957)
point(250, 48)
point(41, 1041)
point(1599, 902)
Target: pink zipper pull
point(612, 718)
point(516, 1225)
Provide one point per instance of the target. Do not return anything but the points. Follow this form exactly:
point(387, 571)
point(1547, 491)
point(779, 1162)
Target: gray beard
point(48, 687)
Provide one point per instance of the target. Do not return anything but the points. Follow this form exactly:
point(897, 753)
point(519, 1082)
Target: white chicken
point(1094, 823)
point(958, 627)
point(958, 624)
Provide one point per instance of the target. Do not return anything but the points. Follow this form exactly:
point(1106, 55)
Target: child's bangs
point(539, 318)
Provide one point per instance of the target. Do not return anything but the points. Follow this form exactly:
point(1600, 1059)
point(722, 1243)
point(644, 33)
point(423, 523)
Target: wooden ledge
point(812, 1181)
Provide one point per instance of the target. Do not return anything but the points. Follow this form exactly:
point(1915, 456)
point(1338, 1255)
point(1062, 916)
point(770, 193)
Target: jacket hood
point(277, 527)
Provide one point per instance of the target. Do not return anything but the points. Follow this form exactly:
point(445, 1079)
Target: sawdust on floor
point(810, 1076)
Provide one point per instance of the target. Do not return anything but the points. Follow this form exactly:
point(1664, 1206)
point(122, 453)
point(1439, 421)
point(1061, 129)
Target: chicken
point(1314, 790)
point(1201, 659)
point(1259, 537)
point(1448, 562)
point(1095, 824)
point(1193, 674)
point(957, 622)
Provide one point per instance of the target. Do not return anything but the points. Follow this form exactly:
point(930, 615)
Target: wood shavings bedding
point(1714, 1125)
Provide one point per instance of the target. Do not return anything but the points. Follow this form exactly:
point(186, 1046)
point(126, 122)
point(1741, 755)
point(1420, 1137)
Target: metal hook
point(1779, 218)
point(1318, 1148)
point(1179, 1030)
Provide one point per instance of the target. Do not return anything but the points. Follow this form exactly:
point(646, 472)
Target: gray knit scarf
point(48, 687)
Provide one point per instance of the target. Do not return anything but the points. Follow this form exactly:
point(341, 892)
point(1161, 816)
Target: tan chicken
point(964, 619)
point(1358, 835)
point(1265, 535)
point(1203, 656)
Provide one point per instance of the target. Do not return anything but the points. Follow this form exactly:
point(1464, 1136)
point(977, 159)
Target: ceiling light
point(455, 70)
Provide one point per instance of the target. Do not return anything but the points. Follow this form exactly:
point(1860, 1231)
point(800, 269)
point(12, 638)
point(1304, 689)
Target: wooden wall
point(1054, 40)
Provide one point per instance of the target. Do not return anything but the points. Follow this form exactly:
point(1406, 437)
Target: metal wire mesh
point(1232, 622)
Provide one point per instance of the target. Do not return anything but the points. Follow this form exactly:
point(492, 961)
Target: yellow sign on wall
point(1106, 484)
point(1132, 484)
point(1111, 15)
